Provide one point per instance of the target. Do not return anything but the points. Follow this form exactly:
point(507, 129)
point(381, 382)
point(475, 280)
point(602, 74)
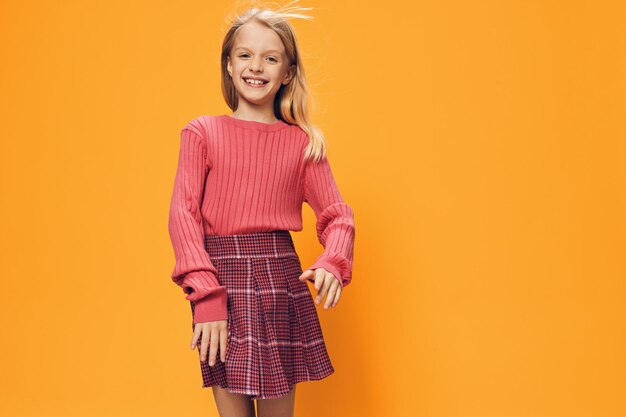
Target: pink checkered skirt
point(274, 335)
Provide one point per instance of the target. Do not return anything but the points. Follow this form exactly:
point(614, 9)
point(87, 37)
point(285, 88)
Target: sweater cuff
point(198, 284)
point(212, 307)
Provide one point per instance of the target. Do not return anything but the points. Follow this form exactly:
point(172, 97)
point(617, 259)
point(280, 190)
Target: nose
point(255, 65)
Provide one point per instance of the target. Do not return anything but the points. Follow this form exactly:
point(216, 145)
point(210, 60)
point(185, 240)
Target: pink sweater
point(239, 176)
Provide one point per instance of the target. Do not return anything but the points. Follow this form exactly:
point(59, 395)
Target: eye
point(242, 55)
point(274, 59)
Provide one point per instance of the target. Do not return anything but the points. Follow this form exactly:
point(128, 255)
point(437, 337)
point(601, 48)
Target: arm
point(193, 270)
point(335, 221)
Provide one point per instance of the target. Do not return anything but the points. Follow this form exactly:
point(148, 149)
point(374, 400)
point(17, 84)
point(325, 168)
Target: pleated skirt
point(274, 335)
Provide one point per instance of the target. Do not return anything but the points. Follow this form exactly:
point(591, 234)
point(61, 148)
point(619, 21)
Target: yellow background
point(480, 144)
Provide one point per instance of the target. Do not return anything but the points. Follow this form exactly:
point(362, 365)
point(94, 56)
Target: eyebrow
point(271, 50)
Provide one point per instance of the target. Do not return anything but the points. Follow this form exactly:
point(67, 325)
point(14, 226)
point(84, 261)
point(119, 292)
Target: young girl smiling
point(238, 192)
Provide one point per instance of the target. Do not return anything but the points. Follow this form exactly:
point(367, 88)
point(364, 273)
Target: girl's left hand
point(325, 284)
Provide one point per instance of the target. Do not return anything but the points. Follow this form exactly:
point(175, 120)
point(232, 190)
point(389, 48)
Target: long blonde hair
point(290, 102)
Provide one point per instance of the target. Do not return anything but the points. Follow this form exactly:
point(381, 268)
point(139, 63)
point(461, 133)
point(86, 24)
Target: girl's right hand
point(213, 333)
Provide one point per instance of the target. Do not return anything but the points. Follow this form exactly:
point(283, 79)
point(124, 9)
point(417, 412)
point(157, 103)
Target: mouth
point(252, 82)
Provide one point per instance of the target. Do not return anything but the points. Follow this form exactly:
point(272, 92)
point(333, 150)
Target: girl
point(238, 191)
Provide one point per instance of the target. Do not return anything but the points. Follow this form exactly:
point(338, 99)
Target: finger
point(328, 280)
point(331, 294)
point(213, 345)
point(320, 273)
point(308, 274)
point(337, 296)
point(196, 334)
point(223, 340)
point(206, 334)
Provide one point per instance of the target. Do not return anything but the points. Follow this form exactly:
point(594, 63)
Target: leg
point(277, 407)
point(232, 405)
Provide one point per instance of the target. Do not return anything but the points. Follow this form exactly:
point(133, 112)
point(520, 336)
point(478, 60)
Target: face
point(258, 54)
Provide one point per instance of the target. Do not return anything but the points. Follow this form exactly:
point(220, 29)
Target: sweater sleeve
point(335, 221)
point(193, 270)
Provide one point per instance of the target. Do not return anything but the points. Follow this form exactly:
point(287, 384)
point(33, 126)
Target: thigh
point(277, 407)
point(232, 405)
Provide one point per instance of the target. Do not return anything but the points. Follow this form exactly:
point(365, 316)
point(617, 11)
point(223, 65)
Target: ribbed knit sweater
point(239, 176)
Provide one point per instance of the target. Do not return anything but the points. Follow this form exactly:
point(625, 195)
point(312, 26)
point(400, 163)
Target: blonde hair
point(291, 100)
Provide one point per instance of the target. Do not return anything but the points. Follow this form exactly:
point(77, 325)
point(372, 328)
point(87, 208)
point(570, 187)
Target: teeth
point(251, 81)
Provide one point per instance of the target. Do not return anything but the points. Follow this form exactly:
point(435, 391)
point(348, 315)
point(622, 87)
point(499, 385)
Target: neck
point(263, 114)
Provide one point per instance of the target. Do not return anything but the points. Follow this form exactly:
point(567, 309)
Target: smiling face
point(257, 64)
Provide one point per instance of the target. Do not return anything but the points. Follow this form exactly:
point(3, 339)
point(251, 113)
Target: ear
point(291, 72)
point(229, 67)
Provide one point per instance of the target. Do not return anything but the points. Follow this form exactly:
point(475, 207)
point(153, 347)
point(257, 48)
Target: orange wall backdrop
point(481, 145)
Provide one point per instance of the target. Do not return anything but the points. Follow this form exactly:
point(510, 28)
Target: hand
point(328, 283)
point(213, 332)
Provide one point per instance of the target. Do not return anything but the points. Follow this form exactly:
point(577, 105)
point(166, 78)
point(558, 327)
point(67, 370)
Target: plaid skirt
point(274, 335)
